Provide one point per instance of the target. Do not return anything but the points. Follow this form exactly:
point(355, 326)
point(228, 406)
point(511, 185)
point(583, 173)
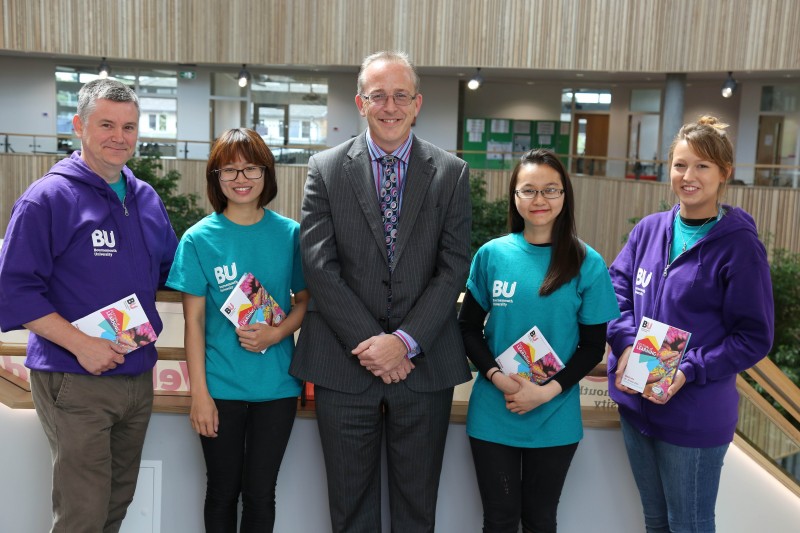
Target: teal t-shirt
point(211, 257)
point(684, 234)
point(505, 278)
point(120, 187)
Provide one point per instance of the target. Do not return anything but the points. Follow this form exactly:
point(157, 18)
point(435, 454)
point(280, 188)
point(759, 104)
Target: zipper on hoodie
point(666, 259)
point(664, 275)
point(137, 247)
point(643, 407)
point(659, 293)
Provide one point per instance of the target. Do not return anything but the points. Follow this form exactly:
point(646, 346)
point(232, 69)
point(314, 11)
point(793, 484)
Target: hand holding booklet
point(123, 322)
point(532, 357)
point(657, 352)
point(250, 303)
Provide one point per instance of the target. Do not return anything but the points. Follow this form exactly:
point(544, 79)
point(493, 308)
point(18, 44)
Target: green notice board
point(498, 143)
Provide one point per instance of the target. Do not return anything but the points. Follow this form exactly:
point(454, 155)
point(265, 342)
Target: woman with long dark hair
point(524, 434)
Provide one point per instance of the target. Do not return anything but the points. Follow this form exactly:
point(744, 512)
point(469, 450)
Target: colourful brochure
point(654, 359)
point(249, 303)
point(123, 322)
point(531, 357)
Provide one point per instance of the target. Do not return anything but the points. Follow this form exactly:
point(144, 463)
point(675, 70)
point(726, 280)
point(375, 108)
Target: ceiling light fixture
point(103, 70)
point(476, 80)
point(244, 77)
point(311, 96)
point(729, 87)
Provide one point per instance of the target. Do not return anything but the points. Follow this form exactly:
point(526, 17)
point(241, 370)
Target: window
point(302, 102)
point(645, 100)
point(156, 122)
point(780, 98)
point(644, 130)
point(159, 118)
point(573, 100)
point(779, 136)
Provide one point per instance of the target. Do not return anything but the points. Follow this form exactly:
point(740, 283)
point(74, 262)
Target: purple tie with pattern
point(390, 204)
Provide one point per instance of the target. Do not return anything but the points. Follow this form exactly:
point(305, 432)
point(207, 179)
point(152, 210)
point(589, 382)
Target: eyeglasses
point(230, 174)
point(380, 99)
point(550, 193)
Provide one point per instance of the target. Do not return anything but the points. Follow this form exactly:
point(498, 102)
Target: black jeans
point(244, 459)
point(520, 484)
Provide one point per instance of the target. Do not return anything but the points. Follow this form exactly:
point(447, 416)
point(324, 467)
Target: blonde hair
point(708, 139)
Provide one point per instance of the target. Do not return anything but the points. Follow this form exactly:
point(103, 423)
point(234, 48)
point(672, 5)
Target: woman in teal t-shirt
point(523, 435)
point(243, 401)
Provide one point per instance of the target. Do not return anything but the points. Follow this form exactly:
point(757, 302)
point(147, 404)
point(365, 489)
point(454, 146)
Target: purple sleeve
point(622, 331)
point(26, 264)
point(170, 246)
point(747, 316)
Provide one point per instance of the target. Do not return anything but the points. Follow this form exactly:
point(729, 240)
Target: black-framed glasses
point(551, 193)
point(380, 99)
point(230, 174)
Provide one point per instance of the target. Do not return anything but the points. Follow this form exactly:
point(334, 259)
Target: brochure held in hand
point(249, 303)
point(123, 322)
point(532, 357)
point(656, 354)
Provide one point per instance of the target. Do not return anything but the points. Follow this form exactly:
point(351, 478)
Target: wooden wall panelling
point(603, 35)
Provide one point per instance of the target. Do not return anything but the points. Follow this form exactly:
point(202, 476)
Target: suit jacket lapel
point(418, 180)
point(358, 170)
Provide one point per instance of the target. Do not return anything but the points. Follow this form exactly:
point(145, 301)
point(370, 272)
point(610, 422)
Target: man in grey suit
point(385, 241)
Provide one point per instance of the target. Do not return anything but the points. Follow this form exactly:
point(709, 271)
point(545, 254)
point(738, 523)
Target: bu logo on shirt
point(643, 277)
point(500, 287)
point(222, 274)
point(102, 238)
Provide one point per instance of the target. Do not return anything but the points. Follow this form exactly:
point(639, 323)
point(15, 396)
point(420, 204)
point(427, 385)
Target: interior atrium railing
point(577, 164)
point(771, 428)
point(18, 143)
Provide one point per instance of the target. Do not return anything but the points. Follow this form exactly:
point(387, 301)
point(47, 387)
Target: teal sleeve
point(598, 300)
point(186, 274)
point(298, 281)
point(476, 282)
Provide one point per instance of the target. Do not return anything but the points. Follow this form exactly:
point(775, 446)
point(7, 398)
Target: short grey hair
point(103, 89)
point(390, 57)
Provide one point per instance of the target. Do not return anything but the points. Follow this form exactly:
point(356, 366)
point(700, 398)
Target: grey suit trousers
point(352, 422)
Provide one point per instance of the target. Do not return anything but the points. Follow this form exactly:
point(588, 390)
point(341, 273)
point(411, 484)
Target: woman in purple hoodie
point(699, 267)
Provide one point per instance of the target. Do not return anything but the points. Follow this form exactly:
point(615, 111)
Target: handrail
point(143, 138)
point(764, 462)
point(771, 442)
point(627, 160)
point(781, 388)
point(320, 147)
point(747, 390)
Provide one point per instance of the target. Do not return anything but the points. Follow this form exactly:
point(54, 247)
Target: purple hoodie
point(71, 248)
point(720, 291)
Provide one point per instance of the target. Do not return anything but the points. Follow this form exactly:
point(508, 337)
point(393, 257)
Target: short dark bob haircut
point(231, 145)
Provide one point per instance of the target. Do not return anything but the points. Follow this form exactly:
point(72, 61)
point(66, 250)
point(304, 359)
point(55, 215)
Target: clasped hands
point(385, 357)
point(522, 395)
